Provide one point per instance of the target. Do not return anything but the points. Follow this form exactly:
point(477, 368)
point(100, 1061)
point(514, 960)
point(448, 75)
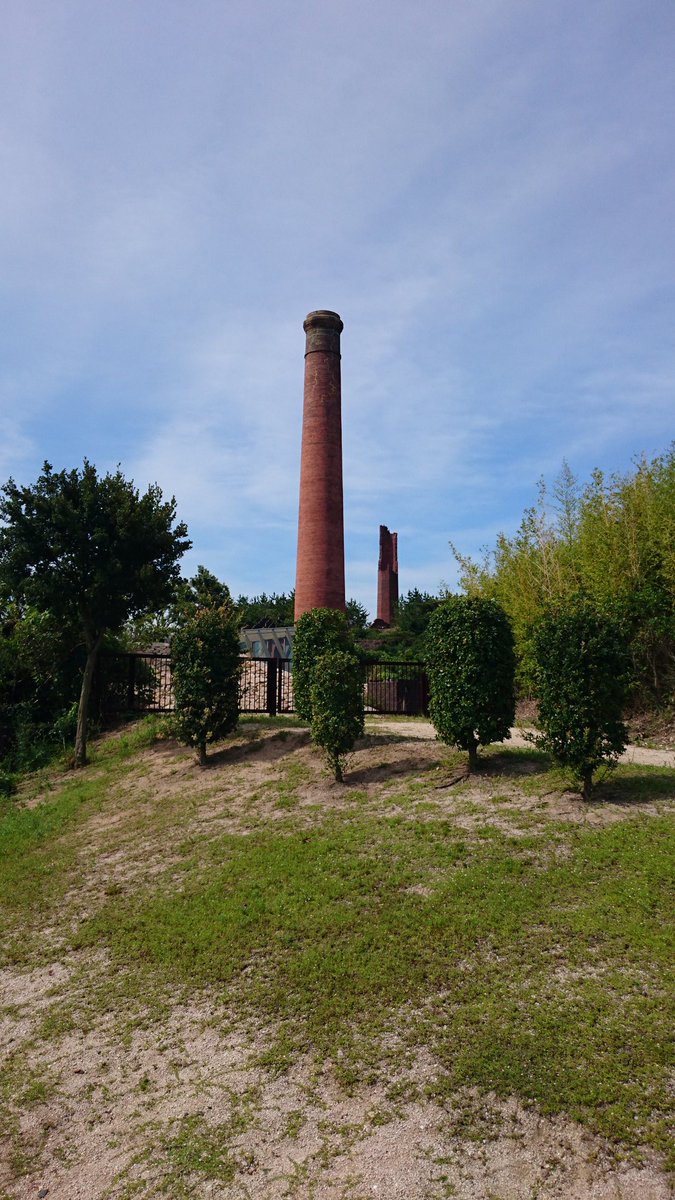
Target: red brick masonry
point(320, 579)
point(387, 576)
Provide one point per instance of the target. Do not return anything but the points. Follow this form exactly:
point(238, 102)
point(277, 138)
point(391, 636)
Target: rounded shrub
point(580, 675)
point(337, 706)
point(316, 632)
point(471, 667)
point(205, 670)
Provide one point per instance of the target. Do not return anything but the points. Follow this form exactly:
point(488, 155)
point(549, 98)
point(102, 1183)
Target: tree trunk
point(80, 758)
point(587, 789)
point(473, 757)
point(201, 751)
point(339, 777)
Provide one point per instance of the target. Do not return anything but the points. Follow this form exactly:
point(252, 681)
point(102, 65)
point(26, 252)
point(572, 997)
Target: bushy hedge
point(337, 707)
point(580, 670)
point(205, 670)
point(316, 632)
point(471, 665)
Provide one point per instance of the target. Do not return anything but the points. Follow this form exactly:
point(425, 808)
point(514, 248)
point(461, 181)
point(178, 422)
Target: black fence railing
point(133, 683)
point(396, 687)
point(138, 683)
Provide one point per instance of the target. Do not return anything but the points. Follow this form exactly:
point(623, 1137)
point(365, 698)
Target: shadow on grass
point(513, 761)
point(382, 771)
point(270, 748)
point(633, 785)
point(372, 741)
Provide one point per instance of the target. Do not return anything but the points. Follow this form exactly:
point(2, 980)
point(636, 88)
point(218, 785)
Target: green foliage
point(405, 639)
point(7, 783)
point(90, 551)
point(613, 540)
point(470, 662)
point(40, 678)
point(266, 612)
point(580, 667)
point(357, 616)
point(203, 590)
point(205, 671)
point(414, 613)
point(316, 632)
point(337, 706)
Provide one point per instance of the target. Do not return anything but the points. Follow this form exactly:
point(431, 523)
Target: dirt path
point(641, 755)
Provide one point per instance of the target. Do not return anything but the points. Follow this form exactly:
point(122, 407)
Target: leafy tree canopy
point(90, 550)
point(471, 665)
point(337, 707)
point(266, 612)
point(205, 668)
point(612, 541)
point(316, 633)
point(580, 669)
point(357, 616)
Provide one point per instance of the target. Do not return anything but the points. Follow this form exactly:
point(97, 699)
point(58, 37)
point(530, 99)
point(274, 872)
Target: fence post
point(131, 680)
point(424, 688)
point(272, 673)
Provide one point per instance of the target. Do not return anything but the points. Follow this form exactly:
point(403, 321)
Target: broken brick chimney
point(387, 577)
point(320, 579)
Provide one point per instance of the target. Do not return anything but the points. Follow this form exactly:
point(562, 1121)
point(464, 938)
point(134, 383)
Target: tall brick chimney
point(320, 580)
point(387, 576)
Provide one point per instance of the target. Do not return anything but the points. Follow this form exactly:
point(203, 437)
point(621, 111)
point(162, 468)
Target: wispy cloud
point(484, 191)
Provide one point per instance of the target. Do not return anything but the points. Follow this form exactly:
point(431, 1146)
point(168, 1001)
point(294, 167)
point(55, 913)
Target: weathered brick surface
point(387, 576)
point(320, 580)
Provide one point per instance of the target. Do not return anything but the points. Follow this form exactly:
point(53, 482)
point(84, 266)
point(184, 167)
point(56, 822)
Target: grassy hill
point(250, 981)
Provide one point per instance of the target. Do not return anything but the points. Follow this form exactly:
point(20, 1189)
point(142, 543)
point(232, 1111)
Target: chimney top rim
point(323, 318)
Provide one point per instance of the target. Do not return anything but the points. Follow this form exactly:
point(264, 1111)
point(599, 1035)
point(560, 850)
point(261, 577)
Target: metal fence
point(133, 683)
point(138, 683)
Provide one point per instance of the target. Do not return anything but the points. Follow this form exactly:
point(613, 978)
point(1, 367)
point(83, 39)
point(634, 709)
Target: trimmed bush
point(205, 670)
point(316, 632)
point(580, 673)
point(471, 666)
point(337, 707)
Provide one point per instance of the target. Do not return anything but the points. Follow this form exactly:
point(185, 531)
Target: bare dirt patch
point(156, 1112)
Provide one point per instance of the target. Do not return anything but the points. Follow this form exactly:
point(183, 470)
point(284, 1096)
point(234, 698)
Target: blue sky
point(483, 189)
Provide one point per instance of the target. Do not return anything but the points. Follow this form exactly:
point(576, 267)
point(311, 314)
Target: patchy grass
point(38, 853)
point(544, 973)
point(358, 927)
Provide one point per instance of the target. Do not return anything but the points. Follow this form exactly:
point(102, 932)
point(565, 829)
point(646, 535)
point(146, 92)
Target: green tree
point(316, 632)
point(93, 552)
point(266, 612)
point(580, 671)
point(613, 541)
point(471, 664)
point(205, 669)
point(203, 590)
point(357, 616)
point(414, 613)
point(337, 707)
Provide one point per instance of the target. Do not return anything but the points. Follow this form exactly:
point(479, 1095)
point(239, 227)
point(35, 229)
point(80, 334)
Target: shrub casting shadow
point(272, 747)
point(632, 790)
point(516, 761)
point(371, 741)
point(404, 766)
